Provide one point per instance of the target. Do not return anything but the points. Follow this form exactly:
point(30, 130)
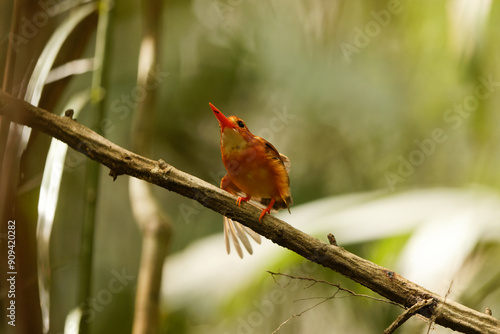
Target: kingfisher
point(256, 172)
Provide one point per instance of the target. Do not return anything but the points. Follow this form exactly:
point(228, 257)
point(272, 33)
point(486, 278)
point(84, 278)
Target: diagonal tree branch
point(123, 162)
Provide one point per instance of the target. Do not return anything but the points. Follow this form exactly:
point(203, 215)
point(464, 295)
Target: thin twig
point(325, 299)
point(438, 309)
point(314, 281)
point(403, 317)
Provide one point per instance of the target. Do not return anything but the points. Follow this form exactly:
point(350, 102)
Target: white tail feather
point(237, 232)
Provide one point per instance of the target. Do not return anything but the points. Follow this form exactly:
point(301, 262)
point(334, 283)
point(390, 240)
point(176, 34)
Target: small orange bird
point(255, 171)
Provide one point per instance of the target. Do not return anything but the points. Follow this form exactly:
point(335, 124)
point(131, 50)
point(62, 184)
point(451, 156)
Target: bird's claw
point(263, 214)
point(242, 199)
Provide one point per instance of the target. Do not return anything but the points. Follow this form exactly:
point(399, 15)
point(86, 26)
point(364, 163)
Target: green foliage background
point(351, 92)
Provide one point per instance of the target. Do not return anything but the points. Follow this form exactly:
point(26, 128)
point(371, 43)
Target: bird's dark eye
point(241, 124)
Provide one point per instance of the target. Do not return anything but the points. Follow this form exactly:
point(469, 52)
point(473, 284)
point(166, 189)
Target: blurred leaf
point(47, 204)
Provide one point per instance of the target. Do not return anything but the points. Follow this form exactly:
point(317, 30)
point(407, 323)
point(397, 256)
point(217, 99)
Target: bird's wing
point(273, 152)
point(284, 202)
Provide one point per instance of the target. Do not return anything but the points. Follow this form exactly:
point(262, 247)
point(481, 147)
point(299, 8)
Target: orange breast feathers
point(258, 170)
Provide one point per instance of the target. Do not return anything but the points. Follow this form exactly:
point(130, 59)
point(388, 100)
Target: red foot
point(242, 199)
point(267, 210)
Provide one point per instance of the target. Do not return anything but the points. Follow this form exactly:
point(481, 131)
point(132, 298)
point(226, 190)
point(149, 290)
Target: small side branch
point(407, 315)
point(332, 240)
point(299, 314)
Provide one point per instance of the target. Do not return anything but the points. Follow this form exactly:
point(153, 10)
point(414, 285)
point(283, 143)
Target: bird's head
point(233, 130)
point(231, 122)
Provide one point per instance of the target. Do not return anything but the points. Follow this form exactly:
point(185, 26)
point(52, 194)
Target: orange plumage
point(255, 169)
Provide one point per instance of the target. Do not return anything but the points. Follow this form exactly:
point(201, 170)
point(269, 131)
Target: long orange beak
point(223, 120)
